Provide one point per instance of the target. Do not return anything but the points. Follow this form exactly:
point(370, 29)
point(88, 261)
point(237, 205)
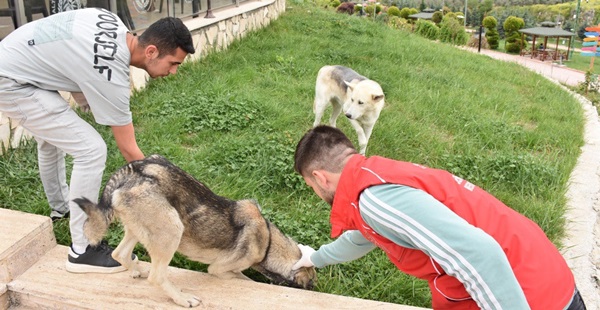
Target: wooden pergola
point(425, 14)
point(546, 32)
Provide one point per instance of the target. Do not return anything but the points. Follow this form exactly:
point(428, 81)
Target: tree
point(514, 40)
point(491, 35)
point(486, 6)
point(513, 24)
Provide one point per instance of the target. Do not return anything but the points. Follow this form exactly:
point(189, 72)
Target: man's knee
point(95, 151)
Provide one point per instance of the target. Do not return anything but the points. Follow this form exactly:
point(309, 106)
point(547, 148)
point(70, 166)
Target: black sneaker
point(96, 259)
point(55, 215)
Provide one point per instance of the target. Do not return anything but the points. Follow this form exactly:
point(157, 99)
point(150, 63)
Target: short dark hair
point(322, 148)
point(167, 34)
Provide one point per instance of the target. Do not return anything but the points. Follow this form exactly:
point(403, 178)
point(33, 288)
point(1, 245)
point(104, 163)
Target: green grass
point(233, 119)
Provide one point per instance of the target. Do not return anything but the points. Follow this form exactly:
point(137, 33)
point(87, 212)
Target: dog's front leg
point(368, 129)
point(363, 139)
point(158, 276)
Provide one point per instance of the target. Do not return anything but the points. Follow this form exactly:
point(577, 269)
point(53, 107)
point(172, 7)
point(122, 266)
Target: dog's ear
point(377, 97)
point(350, 85)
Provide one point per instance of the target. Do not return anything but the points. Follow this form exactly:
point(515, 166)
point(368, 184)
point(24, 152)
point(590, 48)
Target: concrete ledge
point(24, 238)
point(48, 285)
point(33, 276)
point(3, 296)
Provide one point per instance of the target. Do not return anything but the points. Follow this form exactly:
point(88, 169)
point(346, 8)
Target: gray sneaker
point(96, 259)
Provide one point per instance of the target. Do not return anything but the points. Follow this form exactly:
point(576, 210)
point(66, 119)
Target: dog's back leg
point(319, 109)
point(251, 244)
point(161, 243)
point(151, 220)
point(337, 109)
point(122, 254)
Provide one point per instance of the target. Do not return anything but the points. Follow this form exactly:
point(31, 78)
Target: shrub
point(405, 12)
point(335, 3)
point(437, 17)
point(451, 31)
point(358, 8)
point(493, 38)
point(514, 40)
point(474, 42)
point(369, 9)
point(513, 24)
point(398, 23)
point(427, 29)
point(382, 18)
point(346, 7)
point(393, 11)
point(451, 15)
point(490, 22)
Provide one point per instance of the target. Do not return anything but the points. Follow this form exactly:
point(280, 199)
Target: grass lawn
point(233, 120)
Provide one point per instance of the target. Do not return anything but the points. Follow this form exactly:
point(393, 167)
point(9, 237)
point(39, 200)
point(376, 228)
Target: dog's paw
point(139, 273)
point(187, 300)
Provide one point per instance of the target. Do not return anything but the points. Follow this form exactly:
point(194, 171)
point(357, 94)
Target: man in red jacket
point(474, 251)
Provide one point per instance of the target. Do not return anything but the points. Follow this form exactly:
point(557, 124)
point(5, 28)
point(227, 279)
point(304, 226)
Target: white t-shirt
point(78, 51)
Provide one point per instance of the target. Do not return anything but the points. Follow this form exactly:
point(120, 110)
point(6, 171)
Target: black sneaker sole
point(58, 218)
point(83, 268)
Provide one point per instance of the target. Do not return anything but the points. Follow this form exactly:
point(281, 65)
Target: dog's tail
point(99, 218)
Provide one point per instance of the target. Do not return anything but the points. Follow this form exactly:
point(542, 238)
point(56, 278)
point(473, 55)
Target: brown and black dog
point(167, 210)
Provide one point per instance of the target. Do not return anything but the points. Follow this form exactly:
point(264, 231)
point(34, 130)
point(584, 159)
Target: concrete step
point(31, 280)
point(24, 239)
point(48, 285)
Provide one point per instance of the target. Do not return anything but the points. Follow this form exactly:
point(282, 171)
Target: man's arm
point(125, 138)
point(349, 246)
point(414, 219)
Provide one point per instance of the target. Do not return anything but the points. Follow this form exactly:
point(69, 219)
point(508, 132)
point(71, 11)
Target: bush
point(346, 7)
point(512, 24)
point(369, 9)
point(398, 23)
point(382, 18)
point(514, 40)
point(493, 38)
point(405, 12)
point(335, 3)
point(490, 22)
point(393, 11)
point(451, 31)
point(358, 8)
point(474, 42)
point(437, 17)
point(513, 48)
point(427, 29)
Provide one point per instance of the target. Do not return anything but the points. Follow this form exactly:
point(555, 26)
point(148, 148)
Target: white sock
point(78, 249)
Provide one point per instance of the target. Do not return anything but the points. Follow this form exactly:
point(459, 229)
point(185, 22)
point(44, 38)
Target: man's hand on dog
point(305, 259)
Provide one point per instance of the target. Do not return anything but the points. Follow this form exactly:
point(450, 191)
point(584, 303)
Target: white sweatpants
point(59, 130)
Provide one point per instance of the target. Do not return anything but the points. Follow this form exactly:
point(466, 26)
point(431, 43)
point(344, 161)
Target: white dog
point(360, 98)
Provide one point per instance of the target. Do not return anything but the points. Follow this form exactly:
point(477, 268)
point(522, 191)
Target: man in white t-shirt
point(86, 52)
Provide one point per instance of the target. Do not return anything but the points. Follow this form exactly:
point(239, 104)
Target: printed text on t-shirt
point(105, 46)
